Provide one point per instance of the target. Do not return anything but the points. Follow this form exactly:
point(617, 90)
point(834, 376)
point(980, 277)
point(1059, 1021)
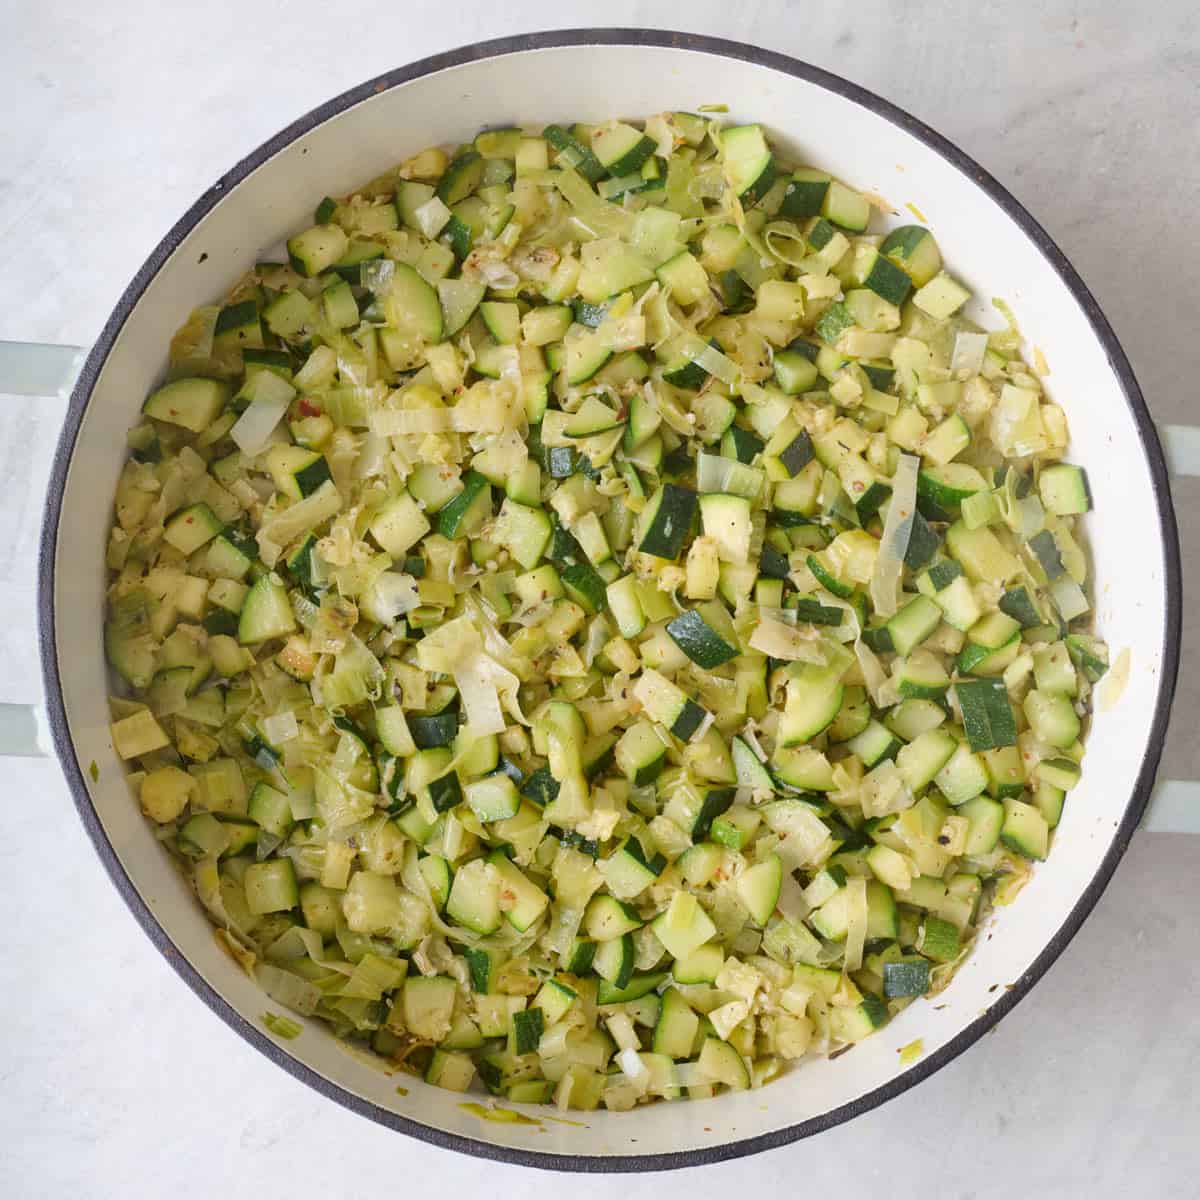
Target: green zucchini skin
point(598, 568)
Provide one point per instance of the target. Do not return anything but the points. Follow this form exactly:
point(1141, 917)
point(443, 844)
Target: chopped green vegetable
point(283, 1027)
point(600, 622)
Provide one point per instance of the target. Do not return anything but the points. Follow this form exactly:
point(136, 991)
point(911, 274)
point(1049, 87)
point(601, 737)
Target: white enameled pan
point(994, 245)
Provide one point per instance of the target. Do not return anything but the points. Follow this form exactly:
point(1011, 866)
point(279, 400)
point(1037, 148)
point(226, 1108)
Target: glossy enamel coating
point(991, 243)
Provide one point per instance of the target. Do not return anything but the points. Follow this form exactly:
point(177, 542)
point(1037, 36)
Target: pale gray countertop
point(114, 1078)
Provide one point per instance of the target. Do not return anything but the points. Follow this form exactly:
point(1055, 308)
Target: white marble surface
point(114, 1079)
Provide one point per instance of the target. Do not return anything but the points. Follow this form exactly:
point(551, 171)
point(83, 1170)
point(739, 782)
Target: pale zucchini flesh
point(600, 621)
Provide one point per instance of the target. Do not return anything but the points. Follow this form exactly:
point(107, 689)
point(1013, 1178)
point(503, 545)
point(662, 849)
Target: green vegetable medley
point(599, 621)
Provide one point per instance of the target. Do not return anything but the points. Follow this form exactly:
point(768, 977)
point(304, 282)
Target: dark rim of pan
point(1032, 230)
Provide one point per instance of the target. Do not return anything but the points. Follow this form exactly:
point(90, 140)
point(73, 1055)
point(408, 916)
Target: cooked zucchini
point(603, 574)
